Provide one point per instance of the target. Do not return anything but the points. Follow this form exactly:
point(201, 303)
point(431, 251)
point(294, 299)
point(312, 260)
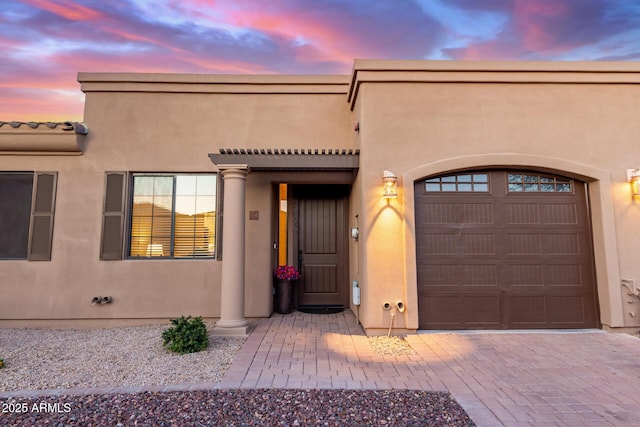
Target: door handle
point(300, 255)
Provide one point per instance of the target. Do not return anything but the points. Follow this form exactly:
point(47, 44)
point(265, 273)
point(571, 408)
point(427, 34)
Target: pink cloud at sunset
point(45, 43)
point(66, 9)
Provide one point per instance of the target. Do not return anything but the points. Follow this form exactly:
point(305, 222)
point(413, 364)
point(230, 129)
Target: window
point(532, 183)
point(27, 201)
point(173, 216)
point(168, 216)
point(470, 182)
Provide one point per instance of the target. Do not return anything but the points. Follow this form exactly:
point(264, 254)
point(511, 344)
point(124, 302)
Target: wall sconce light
point(633, 177)
point(390, 179)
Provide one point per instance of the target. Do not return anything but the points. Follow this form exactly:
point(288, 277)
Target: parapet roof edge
point(259, 79)
point(214, 83)
point(503, 71)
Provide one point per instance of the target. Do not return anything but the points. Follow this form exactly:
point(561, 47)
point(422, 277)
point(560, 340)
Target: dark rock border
point(243, 407)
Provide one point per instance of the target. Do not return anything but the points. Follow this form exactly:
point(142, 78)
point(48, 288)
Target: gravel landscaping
point(62, 358)
point(261, 407)
point(391, 346)
point(38, 359)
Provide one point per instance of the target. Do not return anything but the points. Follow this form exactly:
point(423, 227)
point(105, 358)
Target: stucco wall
point(417, 118)
point(165, 124)
point(418, 125)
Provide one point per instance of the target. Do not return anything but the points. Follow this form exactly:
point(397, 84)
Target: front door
point(320, 231)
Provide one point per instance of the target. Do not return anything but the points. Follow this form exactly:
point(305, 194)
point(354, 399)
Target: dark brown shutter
point(42, 208)
point(111, 245)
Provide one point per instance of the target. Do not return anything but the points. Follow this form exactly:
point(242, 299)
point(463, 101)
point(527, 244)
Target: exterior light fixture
point(389, 178)
point(633, 177)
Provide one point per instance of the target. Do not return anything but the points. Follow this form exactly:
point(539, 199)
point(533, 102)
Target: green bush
point(186, 335)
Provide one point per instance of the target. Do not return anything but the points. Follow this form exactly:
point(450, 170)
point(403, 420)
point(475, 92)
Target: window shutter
point(113, 217)
point(42, 208)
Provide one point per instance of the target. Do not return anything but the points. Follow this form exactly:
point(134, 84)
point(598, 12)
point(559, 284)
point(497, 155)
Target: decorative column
point(232, 321)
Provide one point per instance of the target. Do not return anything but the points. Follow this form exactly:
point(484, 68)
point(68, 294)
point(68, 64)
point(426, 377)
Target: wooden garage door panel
point(529, 311)
point(460, 243)
point(532, 243)
point(506, 275)
point(458, 213)
point(482, 309)
point(438, 244)
point(477, 243)
point(566, 310)
point(523, 213)
point(566, 275)
point(476, 213)
point(523, 244)
point(455, 275)
point(439, 213)
point(445, 311)
point(531, 247)
point(540, 275)
point(525, 275)
point(441, 311)
point(559, 213)
point(542, 213)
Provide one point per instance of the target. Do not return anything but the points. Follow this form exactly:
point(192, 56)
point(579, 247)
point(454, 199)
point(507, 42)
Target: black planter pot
point(284, 296)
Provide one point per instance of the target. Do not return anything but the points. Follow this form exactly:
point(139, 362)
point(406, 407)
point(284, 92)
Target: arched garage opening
point(504, 249)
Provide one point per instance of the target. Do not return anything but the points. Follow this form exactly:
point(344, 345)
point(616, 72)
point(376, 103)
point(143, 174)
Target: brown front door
point(321, 227)
point(504, 250)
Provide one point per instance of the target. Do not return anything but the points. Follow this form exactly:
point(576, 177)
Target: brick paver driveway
point(517, 378)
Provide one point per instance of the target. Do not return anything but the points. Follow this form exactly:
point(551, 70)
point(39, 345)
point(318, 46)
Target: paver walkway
point(515, 379)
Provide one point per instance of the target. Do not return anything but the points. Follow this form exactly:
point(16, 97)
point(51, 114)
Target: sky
point(45, 43)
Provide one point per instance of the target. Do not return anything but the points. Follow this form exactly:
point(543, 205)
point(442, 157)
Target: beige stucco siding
point(63, 287)
point(158, 127)
point(417, 129)
point(416, 118)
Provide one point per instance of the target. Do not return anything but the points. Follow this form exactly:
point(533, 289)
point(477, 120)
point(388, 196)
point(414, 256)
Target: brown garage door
point(504, 250)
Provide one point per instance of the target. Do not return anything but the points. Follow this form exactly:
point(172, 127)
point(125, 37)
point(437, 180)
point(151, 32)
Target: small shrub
point(1, 363)
point(187, 335)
